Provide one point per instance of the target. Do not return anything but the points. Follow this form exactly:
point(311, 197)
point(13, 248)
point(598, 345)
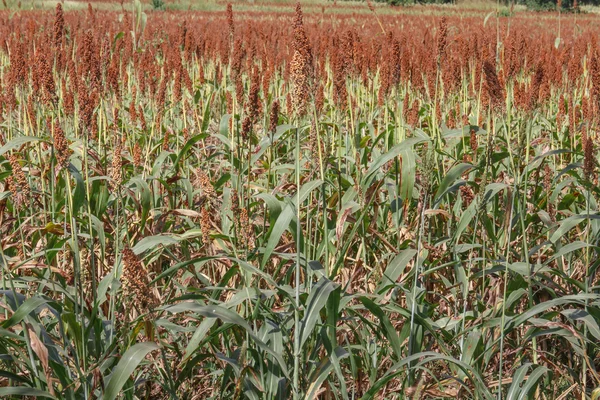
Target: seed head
point(132, 111)
point(46, 78)
point(274, 117)
point(200, 75)
point(301, 65)
point(230, 21)
point(246, 231)
point(492, 84)
point(319, 98)
point(31, 112)
point(136, 282)
point(68, 99)
point(254, 104)
point(442, 39)
point(547, 179)
point(62, 151)
point(239, 91)
point(137, 155)
point(18, 185)
point(18, 68)
point(586, 109)
point(235, 202)
point(473, 141)
point(178, 80)
point(467, 195)
point(59, 25)
point(536, 84)
point(142, 118)
point(370, 5)
point(91, 14)
point(246, 127)
point(406, 106)
point(166, 137)
point(339, 82)
point(205, 225)
point(396, 63)
point(595, 78)
point(204, 182)
point(413, 116)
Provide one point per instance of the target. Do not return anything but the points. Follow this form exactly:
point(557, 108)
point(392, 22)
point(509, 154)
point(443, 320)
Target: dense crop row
point(232, 205)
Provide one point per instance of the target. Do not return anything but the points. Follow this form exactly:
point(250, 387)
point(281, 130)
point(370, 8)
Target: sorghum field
point(271, 205)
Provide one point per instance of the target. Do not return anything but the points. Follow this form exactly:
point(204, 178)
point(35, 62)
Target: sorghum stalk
point(301, 69)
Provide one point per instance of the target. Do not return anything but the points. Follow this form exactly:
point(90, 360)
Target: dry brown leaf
point(38, 347)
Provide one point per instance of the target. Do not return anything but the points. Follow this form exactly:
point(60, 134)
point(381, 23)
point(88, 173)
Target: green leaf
point(117, 37)
point(424, 358)
point(224, 314)
point(281, 225)
point(25, 309)
point(229, 316)
point(224, 125)
point(23, 391)
point(487, 17)
point(306, 189)
point(408, 171)
point(465, 219)
point(388, 329)
point(145, 196)
point(128, 363)
point(18, 142)
point(333, 311)
point(566, 225)
point(517, 379)
point(566, 249)
point(452, 175)
point(183, 264)
point(72, 327)
point(582, 315)
point(407, 144)
point(323, 370)
point(190, 143)
point(532, 381)
point(538, 308)
point(138, 10)
point(395, 268)
point(316, 301)
point(142, 23)
point(79, 194)
point(198, 336)
point(470, 350)
point(247, 267)
point(273, 205)
point(152, 242)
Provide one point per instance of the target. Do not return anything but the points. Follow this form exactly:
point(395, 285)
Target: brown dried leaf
point(339, 227)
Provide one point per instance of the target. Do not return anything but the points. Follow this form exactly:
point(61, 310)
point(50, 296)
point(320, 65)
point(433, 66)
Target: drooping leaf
point(24, 309)
point(127, 364)
point(6, 392)
point(316, 301)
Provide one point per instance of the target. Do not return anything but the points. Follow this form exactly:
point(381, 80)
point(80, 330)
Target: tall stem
point(297, 274)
